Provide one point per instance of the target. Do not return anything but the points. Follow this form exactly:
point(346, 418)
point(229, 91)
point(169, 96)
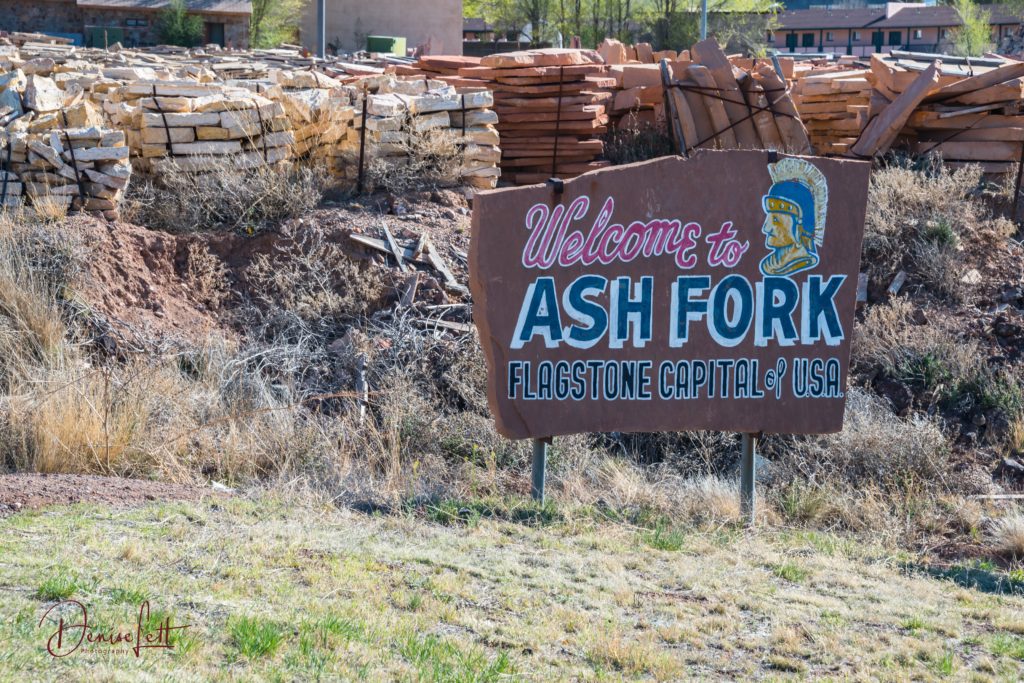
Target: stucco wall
point(438, 22)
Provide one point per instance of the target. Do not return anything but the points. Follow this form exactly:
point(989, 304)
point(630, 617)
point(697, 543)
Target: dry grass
point(391, 597)
point(424, 159)
point(313, 279)
point(247, 200)
point(50, 208)
point(916, 222)
point(1008, 536)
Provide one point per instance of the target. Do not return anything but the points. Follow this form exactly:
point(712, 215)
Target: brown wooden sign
point(715, 292)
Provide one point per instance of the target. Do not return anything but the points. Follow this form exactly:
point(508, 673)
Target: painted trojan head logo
point(794, 224)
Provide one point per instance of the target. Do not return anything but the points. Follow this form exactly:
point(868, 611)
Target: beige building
point(894, 26)
point(434, 24)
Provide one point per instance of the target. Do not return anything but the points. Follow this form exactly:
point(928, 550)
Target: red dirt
point(33, 491)
point(137, 278)
point(134, 282)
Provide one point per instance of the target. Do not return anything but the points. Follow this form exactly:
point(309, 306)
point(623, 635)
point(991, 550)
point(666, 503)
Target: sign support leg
point(540, 458)
point(748, 470)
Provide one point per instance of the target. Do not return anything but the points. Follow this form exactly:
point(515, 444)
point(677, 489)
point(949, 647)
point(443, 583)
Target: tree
point(974, 37)
point(176, 26)
point(274, 22)
point(741, 24)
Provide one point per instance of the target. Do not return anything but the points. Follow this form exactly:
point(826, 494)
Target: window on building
point(136, 22)
point(830, 37)
point(856, 35)
point(895, 38)
point(791, 41)
point(943, 33)
point(918, 34)
point(807, 40)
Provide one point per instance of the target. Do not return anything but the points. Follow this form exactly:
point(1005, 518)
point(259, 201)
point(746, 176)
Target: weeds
point(422, 159)
point(60, 586)
point(227, 198)
point(255, 637)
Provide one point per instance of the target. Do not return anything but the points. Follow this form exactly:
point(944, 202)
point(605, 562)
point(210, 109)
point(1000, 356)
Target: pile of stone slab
point(715, 103)
point(402, 117)
point(970, 113)
point(833, 104)
point(616, 52)
point(318, 107)
point(552, 111)
point(57, 148)
point(183, 125)
point(83, 168)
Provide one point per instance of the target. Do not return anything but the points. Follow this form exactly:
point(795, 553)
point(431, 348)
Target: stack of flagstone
point(833, 104)
point(552, 109)
point(402, 114)
point(318, 108)
point(198, 127)
point(57, 149)
point(77, 168)
point(970, 112)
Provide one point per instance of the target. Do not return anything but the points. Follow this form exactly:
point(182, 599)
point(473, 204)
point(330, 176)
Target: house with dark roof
point(895, 26)
point(475, 28)
point(98, 23)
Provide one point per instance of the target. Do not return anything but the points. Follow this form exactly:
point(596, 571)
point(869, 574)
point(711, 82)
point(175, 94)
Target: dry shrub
point(312, 278)
point(637, 142)
point(874, 449)
point(424, 159)
point(941, 368)
point(207, 275)
point(1007, 536)
point(73, 419)
point(915, 222)
point(891, 342)
point(228, 198)
point(50, 208)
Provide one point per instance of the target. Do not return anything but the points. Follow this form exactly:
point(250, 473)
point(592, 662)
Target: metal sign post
point(703, 19)
point(321, 28)
point(748, 473)
point(540, 459)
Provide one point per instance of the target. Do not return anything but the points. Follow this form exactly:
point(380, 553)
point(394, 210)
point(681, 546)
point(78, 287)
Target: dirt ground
point(139, 281)
point(33, 491)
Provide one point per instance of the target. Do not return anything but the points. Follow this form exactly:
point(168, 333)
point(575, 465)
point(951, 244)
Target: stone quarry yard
point(272, 588)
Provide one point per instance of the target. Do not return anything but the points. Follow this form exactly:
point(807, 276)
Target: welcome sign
point(715, 292)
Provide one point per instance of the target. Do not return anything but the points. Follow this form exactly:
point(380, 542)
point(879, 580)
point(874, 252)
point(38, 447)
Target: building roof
point(829, 18)
point(475, 25)
point(906, 17)
point(201, 6)
point(921, 17)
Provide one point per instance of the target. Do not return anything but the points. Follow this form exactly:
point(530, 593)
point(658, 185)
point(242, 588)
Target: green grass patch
point(1005, 645)
point(790, 571)
point(60, 586)
point(664, 537)
point(439, 659)
point(255, 637)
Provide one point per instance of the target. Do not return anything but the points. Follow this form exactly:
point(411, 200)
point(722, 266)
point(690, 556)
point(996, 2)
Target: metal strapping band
point(74, 162)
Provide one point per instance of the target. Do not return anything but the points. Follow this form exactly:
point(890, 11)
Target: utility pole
point(321, 28)
point(703, 19)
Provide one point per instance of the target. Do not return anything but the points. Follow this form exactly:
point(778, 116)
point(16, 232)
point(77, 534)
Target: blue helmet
point(796, 199)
